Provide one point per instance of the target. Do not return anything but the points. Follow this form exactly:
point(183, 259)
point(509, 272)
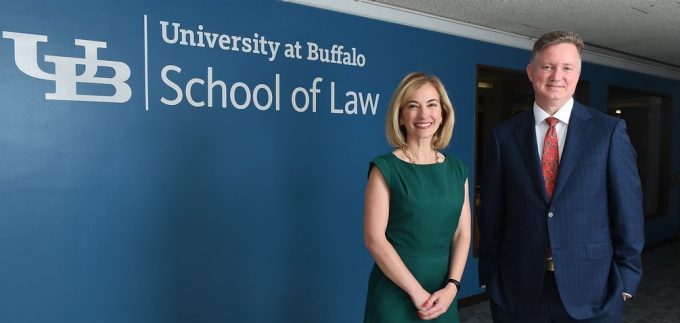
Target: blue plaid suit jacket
point(594, 223)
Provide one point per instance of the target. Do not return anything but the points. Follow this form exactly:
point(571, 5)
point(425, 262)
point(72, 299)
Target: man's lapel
point(577, 137)
point(525, 137)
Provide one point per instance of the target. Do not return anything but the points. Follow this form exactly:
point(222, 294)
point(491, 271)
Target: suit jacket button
point(550, 214)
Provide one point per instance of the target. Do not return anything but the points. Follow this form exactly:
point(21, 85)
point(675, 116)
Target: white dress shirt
point(561, 127)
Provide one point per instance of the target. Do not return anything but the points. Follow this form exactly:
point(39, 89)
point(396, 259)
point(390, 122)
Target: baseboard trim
point(472, 300)
point(661, 243)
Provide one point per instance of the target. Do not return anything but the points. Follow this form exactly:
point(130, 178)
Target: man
point(561, 219)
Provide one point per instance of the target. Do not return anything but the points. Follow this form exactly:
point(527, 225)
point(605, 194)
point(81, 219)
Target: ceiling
point(641, 31)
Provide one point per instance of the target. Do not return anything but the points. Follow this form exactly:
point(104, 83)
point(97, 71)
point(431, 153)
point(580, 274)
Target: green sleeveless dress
point(425, 206)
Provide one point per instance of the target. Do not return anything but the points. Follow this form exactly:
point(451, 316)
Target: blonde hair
point(396, 133)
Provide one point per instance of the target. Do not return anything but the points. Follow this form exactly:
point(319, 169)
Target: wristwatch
point(455, 282)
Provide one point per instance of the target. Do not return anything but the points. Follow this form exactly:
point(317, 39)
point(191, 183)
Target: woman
point(416, 210)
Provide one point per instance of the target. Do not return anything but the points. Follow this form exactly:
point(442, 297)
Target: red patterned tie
point(551, 157)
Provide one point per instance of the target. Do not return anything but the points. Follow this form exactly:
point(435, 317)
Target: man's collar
point(562, 114)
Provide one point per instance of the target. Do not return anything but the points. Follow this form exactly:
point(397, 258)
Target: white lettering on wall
point(65, 76)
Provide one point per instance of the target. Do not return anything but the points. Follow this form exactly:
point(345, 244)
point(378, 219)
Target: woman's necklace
point(436, 155)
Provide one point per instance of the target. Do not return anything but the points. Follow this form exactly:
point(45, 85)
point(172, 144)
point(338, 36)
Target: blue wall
point(168, 212)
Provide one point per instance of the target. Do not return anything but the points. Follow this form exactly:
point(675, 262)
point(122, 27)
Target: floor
point(657, 297)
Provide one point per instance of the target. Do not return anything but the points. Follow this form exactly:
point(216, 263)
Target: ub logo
point(65, 76)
